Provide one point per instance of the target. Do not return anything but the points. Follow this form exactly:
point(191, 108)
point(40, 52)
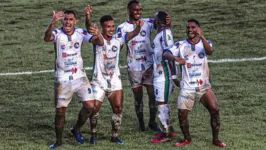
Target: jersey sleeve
point(86, 36)
point(121, 39)
point(174, 49)
point(55, 33)
point(157, 52)
point(167, 39)
point(149, 21)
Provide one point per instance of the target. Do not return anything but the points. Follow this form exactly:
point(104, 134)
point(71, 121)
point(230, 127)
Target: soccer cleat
point(161, 140)
point(92, 140)
point(162, 134)
point(155, 127)
point(117, 140)
point(182, 143)
point(217, 142)
point(55, 145)
point(77, 136)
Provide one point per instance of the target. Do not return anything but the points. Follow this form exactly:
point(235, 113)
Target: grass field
point(236, 28)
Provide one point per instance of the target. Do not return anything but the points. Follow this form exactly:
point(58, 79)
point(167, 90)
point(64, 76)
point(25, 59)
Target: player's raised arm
point(136, 31)
point(48, 33)
point(207, 46)
point(88, 11)
point(97, 38)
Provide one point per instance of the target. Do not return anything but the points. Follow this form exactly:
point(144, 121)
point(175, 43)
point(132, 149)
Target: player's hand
point(94, 30)
point(177, 82)
point(139, 23)
point(57, 16)
point(181, 61)
point(88, 11)
point(199, 31)
point(168, 21)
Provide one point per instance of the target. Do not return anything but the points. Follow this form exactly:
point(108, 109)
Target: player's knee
point(215, 110)
point(182, 115)
point(61, 111)
point(118, 110)
point(137, 90)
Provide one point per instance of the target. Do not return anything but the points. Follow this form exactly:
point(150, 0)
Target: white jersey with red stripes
point(69, 63)
point(139, 48)
point(106, 73)
point(195, 74)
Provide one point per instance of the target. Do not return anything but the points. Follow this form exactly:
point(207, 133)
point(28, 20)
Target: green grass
point(236, 28)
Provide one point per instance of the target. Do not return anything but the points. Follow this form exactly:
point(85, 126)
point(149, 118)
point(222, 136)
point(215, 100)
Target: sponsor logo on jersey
point(134, 42)
point(142, 33)
point(105, 56)
point(200, 82)
point(76, 45)
point(196, 65)
point(70, 63)
point(111, 58)
point(74, 70)
point(63, 47)
point(201, 55)
point(114, 48)
point(68, 55)
point(194, 74)
point(109, 67)
point(188, 65)
point(140, 51)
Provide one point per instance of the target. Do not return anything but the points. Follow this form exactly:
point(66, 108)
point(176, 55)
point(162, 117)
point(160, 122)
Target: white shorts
point(140, 78)
point(64, 91)
point(100, 91)
point(187, 97)
point(163, 90)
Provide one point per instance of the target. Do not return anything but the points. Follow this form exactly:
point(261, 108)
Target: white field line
point(90, 68)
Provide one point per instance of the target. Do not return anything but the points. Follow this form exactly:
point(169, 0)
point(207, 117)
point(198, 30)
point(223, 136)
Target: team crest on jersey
point(142, 33)
point(114, 48)
point(201, 55)
point(76, 45)
point(63, 47)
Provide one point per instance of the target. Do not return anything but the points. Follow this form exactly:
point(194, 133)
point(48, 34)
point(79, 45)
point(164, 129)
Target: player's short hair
point(131, 3)
point(195, 21)
point(70, 12)
point(161, 16)
point(105, 18)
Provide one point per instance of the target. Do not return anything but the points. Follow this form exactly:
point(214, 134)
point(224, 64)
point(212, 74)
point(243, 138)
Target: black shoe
point(154, 126)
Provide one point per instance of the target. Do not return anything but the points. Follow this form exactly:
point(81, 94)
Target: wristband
point(174, 76)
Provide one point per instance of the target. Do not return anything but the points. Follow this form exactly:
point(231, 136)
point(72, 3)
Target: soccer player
point(162, 77)
point(106, 74)
point(195, 81)
point(70, 76)
point(139, 57)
